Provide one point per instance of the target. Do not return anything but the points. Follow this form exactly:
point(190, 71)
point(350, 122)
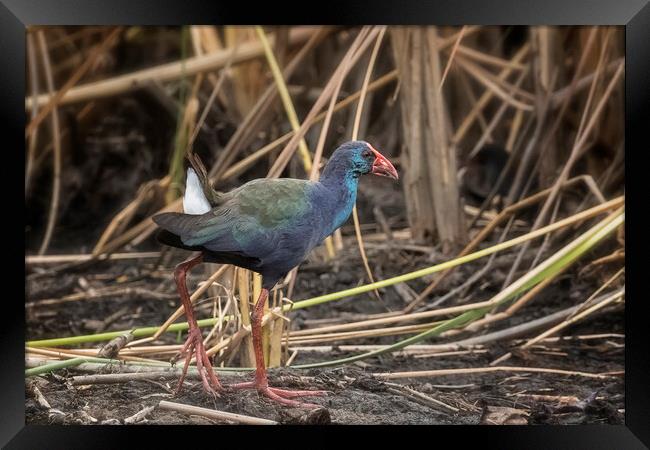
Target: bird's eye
point(366, 154)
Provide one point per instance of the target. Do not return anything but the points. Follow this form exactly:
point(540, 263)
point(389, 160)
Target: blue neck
point(341, 193)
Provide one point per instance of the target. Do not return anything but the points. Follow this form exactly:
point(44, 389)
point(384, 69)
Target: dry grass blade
point(419, 397)
point(496, 119)
point(489, 59)
point(56, 137)
point(577, 146)
point(503, 215)
point(122, 218)
point(250, 124)
point(451, 57)
point(354, 137)
point(33, 79)
point(214, 414)
point(579, 84)
point(166, 72)
point(56, 97)
point(479, 370)
point(491, 83)
point(213, 96)
point(487, 96)
point(619, 295)
point(55, 259)
point(286, 98)
point(362, 41)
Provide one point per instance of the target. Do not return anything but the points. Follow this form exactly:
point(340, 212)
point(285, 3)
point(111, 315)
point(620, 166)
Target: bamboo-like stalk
point(276, 335)
point(248, 355)
point(397, 318)
point(378, 332)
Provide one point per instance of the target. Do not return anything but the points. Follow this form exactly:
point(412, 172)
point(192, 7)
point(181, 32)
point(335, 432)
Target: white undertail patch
point(194, 200)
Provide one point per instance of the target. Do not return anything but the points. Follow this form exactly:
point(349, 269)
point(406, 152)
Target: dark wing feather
point(239, 259)
point(197, 230)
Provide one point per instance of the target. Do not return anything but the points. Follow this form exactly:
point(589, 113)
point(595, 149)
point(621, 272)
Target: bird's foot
point(282, 396)
point(194, 346)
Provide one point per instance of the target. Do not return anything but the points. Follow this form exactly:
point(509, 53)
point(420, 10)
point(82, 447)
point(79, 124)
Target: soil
point(355, 396)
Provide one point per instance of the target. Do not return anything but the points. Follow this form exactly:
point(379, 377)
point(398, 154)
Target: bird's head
point(361, 158)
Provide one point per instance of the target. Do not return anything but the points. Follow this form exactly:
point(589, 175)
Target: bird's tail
point(176, 223)
point(194, 199)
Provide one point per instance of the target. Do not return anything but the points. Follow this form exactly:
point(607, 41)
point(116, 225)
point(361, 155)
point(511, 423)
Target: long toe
point(283, 396)
point(194, 348)
point(296, 394)
point(208, 378)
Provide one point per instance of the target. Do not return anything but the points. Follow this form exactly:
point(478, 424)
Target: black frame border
point(16, 15)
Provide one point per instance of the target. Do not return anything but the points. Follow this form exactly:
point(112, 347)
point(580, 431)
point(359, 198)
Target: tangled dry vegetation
point(487, 287)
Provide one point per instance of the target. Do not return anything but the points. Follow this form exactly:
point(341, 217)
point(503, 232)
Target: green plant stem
point(137, 333)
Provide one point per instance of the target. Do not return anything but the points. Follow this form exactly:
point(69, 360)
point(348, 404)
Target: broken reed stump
point(428, 157)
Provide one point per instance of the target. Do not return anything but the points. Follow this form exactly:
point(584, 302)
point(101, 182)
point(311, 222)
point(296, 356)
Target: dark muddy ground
point(356, 397)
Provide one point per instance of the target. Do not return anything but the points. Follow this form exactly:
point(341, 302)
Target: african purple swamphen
point(268, 226)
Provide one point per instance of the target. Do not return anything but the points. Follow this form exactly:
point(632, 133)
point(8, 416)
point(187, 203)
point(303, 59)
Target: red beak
point(382, 166)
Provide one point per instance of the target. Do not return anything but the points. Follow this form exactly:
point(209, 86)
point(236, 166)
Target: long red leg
point(194, 343)
point(260, 382)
